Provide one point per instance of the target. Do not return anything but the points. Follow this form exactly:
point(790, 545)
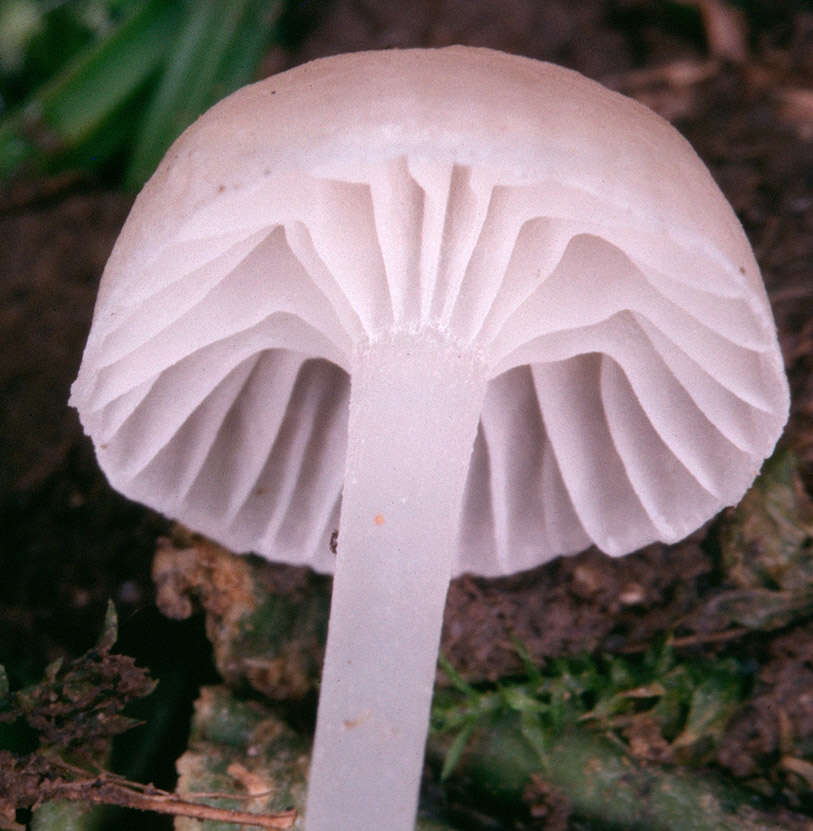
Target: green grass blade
point(239, 64)
point(456, 751)
point(79, 101)
point(217, 49)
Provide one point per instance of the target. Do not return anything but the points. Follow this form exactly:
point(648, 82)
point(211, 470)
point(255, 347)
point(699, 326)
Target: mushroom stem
point(414, 408)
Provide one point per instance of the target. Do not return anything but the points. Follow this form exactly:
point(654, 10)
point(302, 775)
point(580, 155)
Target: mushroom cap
point(565, 234)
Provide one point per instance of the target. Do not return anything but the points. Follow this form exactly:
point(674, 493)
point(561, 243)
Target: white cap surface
point(563, 233)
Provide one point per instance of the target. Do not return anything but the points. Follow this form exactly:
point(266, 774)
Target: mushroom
point(473, 310)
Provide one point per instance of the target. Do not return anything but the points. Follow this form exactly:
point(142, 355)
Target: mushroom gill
point(587, 312)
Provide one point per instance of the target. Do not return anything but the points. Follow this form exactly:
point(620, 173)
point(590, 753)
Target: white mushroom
point(472, 310)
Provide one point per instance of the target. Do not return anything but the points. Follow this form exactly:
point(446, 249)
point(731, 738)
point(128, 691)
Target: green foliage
point(38, 38)
point(65, 816)
point(767, 542)
point(765, 548)
point(657, 704)
point(125, 80)
point(216, 49)
point(237, 746)
point(620, 741)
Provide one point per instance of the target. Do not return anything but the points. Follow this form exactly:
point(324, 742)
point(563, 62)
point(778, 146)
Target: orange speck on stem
point(378, 519)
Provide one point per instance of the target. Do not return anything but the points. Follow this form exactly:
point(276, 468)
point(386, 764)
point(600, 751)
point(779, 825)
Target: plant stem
point(100, 792)
point(414, 408)
point(601, 782)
